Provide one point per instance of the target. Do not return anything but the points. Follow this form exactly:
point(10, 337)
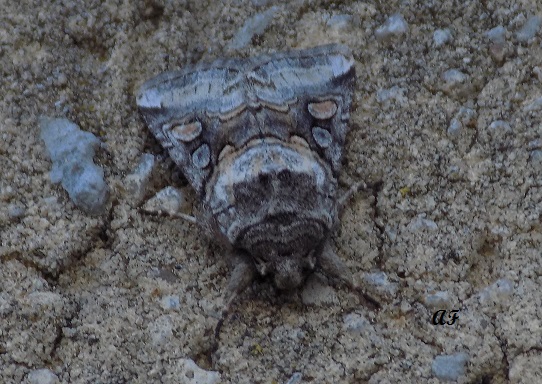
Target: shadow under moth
point(260, 140)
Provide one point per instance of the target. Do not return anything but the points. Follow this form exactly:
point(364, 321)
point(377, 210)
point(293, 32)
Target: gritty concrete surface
point(446, 129)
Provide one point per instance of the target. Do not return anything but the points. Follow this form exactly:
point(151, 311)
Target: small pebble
point(405, 307)
point(439, 299)
point(340, 22)
point(295, 379)
point(261, 3)
point(393, 93)
point(379, 283)
point(7, 304)
point(16, 211)
point(394, 26)
point(160, 330)
point(62, 79)
point(534, 105)
point(192, 374)
point(42, 376)
point(450, 367)
point(355, 324)
point(529, 29)
point(420, 223)
point(536, 157)
point(454, 77)
point(497, 34)
point(170, 302)
point(72, 151)
point(441, 37)
point(499, 130)
point(137, 182)
point(463, 118)
point(455, 127)
point(253, 26)
point(169, 200)
point(498, 292)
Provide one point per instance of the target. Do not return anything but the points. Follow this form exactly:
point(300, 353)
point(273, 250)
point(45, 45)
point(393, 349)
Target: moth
point(260, 140)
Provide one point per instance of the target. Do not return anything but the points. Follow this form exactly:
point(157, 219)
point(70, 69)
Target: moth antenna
point(334, 267)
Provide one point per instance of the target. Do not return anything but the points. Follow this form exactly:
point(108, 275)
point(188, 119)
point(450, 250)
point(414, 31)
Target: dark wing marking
point(305, 80)
point(177, 104)
point(195, 112)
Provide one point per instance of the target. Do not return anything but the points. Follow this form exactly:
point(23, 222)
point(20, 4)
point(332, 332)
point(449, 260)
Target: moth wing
point(316, 84)
point(182, 110)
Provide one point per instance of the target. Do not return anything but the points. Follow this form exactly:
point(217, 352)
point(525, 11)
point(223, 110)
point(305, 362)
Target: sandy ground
point(446, 128)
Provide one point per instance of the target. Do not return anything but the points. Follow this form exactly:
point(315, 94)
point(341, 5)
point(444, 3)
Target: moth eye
point(186, 132)
point(225, 151)
point(201, 156)
point(322, 137)
point(323, 110)
point(299, 141)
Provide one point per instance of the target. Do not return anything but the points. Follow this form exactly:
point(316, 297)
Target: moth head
point(289, 271)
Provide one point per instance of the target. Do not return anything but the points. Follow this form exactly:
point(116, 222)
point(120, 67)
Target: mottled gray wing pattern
point(195, 112)
point(182, 109)
point(304, 80)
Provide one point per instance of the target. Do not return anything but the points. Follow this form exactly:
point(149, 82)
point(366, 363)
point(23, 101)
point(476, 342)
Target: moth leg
point(243, 274)
point(334, 267)
point(351, 191)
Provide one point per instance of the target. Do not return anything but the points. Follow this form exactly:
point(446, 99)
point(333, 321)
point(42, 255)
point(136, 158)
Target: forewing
point(316, 86)
point(183, 110)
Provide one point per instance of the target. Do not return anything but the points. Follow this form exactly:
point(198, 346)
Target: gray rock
point(356, 324)
point(190, 373)
point(341, 22)
point(439, 299)
point(261, 3)
point(420, 223)
point(394, 26)
point(455, 127)
point(441, 37)
point(42, 376)
point(71, 151)
point(500, 130)
point(536, 157)
point(535, 105)
point(497, 34)
point(529, 29)
point(378, 282)
point(160, 331)
point(136, 183)
point(463, 117)
point(16, 211)
point(393, 93)
point(169, 200)
point(497, 293)
point(295, 379)
point(450, 367)
point(171, 302)
point(453, 78)
point(253, 26)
